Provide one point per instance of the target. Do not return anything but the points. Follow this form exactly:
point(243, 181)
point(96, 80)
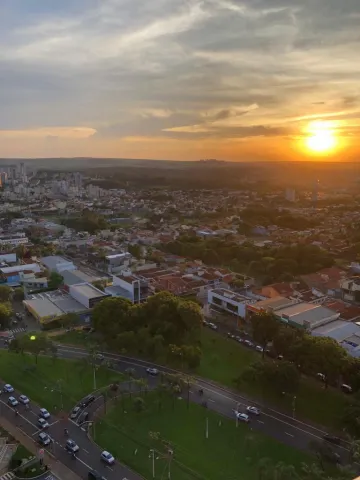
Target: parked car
point(71, 446)
point(258, 348)
point(152, 371)
point(8, 388)
point(75, 412)
point(24, 399)
point(99, 356)
point(346, 388)
point(44, 413)
point(248, 343)
point(107, 457)
point(253, 410)
point(242, 417)
point(44, 439)
point(213, 326)
point(87, 400)
point(321, 376)
point(12, 401)
point(42, 423)
point(332, 439)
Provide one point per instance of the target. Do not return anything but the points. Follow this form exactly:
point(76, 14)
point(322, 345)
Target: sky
point(179, 79)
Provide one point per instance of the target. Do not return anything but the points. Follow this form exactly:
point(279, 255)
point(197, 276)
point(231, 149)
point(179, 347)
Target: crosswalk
point(7, 476)
point(15, 331)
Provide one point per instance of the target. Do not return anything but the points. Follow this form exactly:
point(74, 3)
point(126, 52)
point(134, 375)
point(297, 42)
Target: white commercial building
point(87, 294)
point(220, 299)
point(57, 264)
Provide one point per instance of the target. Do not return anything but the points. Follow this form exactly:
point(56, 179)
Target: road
point(278, 425)
point(282, 427)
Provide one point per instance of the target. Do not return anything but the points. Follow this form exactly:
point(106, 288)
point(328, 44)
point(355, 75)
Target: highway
point(271, 422)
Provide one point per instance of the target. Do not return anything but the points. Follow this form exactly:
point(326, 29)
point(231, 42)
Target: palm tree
point(131, 376)
point(265, 469)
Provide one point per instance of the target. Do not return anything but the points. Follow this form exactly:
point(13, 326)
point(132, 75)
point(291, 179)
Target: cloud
point(173, 68)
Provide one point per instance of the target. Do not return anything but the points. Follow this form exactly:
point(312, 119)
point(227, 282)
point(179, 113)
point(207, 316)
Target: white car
point(75, 413)
point(107, 457)
point(44, 439)
point(71, 446)
point(152, 371)
point(321, 376)
point(42, 423)
point(12, 401)
point(248, 343)
point(242, 417)
point(253, 410)
point(99, 356)
point(8, 388)
point(44, 413)
point(24, 399)
point(258, 348)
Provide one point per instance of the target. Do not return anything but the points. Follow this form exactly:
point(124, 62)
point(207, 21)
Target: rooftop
point(44, 307)
point(307, 313)
point(274, 303)
point(52, 261)
point(87, 290)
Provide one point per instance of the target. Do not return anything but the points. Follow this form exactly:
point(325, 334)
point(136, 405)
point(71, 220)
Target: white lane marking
point(211, 400)
point(107, 466)
point(72, 421)
point(86, 451)
point(21, 416)
point(259, 421)
point(33, 413)
point(82, 461)
point(54, 423)
point(286, 433)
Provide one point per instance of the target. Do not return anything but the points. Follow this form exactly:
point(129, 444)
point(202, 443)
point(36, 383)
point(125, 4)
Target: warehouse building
point(87, 294)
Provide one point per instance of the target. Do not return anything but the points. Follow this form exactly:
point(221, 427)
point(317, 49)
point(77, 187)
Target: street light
point(294, 405)
point(33, 337)
point(236, 413)
point(152, 455)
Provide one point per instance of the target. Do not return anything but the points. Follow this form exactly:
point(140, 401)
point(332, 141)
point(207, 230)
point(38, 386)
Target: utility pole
point(207, 428)
point(237, 411)
point(152, 451)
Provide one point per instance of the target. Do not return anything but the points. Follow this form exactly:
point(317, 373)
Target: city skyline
point(251, 80)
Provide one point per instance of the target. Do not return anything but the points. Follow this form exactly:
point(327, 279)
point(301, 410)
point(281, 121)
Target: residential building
point(130, 286)
point(15, 240)
point(350, 289)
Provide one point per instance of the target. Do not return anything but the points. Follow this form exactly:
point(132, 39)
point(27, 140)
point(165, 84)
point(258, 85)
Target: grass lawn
point(223, 360)
point(76, 337)
point(42, 382)
point(229, 453)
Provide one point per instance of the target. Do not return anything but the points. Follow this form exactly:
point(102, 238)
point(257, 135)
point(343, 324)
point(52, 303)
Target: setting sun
point(321, 138)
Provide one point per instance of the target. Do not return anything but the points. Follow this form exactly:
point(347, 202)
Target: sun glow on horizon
point(321, 138)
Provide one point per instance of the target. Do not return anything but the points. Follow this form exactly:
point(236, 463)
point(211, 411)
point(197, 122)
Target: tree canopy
point(154, 329)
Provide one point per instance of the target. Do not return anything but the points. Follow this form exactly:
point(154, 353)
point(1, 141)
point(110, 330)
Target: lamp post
point(237, 411)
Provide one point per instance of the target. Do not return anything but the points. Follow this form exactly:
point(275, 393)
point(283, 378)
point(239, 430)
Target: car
point(346, 388)
point(44, 439)
point(75, 412)
point(321, 376)
point(12, 401)
point(107, 457)
point(258, 348)
point(71, 446)
point(87, 400)
point(242, 417)
point(42, 423)
point(44, 413)
point(206, 323)
point(253, 410)
point(92, 475)
point(248, 343)
point(240, 340)
point(8, 388)
point(24, 399)
point(99, 356)
point(332, 439)
point(84, 417)
point(213, 326)
point(152, 371)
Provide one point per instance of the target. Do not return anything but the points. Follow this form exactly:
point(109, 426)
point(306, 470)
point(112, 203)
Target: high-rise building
point(290, 194)
point(3, 178)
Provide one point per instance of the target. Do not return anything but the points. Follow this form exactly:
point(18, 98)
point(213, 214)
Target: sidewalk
point(57, 468)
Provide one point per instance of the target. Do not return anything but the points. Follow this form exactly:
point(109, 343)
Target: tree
point(34, 343)
point(139, 404)
point(277, 376)
point(19, 294)
point(135, 250)
point(55, 280)
point(21, 251)
point(112, 316)
point(5, 314)
point(265, 326)
point(130, 372)
point(5, 293)
point(68, 320)
point(99, 284)
point(329, 358)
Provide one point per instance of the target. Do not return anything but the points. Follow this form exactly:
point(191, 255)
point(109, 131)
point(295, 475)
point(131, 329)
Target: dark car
point(92, 475)
point(332, 439)
point(87, 400)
